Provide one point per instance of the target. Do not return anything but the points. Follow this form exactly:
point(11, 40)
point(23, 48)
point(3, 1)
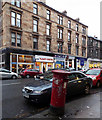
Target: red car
point(96, 75)
point(29, 73)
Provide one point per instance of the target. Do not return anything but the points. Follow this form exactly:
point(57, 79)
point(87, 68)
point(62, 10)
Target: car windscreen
point(93, 72)
point(48, 76)
point(43, 74)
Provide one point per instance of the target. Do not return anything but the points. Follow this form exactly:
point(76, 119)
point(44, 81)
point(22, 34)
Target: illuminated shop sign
point(44, 58)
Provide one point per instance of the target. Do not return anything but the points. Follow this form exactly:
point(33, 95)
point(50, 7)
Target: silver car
point(4, 73)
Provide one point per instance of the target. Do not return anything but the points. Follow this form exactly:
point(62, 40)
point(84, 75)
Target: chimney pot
point(64, 12)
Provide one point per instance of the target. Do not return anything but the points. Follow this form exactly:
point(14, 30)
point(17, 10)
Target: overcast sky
point(87, 10)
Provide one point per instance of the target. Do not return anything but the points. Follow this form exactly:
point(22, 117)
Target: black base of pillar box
point(56, 110)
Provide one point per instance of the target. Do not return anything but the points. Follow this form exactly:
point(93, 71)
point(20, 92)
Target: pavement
point(87, 107)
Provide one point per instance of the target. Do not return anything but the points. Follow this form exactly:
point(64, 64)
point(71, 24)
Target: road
point(15, 106)
point(13, 103)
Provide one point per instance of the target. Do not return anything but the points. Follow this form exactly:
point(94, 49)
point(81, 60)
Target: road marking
point(11, 84)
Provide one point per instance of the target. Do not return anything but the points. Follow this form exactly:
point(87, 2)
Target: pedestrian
point(43, 69)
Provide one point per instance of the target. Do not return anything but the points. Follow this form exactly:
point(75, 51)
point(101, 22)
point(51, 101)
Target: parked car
point(84, 71)
point(4, 73)
point(96, 75)
point(29, 73)
point(40, 89)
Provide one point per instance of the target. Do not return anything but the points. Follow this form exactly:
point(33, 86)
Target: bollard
point(58, 94)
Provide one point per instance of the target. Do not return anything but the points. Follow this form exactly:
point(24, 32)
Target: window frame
point(16, 19)
point(83, 52)
point(35, 26)
point(60, 47)
point(16, 39)
point(35, 44)
point(60, 20)
point(69, 36)
point(60, 33)
point(77, 38)
point(69, 24)
point(48, 14)
point(83, 40)
point(48, 46)
point(77, 50)
point(77, 27)
point(35, 8)
point(69, 50)
point(15, 2)
point(83, 30)
point(48, 29)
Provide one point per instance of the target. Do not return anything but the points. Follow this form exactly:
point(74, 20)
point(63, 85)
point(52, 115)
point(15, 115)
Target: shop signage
point(44, 58)
point(60, 57)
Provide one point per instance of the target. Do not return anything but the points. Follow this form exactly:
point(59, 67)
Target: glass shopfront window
point(14, 68)
point(38, 66)
point(50, 66)
point(19, 62)
point(25, 59)
point(70, 63)
point(14, 58)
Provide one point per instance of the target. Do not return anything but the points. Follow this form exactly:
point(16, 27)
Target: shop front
point(44, 63)
point(94, 63)
point(81, 63)
point(70, 62)
point(60, 61)
point(19, 62)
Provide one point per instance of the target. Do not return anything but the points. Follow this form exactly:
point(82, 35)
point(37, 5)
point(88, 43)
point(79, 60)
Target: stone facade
point(26, 30)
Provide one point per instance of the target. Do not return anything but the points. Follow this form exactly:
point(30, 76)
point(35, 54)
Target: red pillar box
point(58, 94)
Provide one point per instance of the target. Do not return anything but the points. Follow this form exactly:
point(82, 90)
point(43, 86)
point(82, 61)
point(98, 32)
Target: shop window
point(14, 68)
point(38, 66)
point(14, 58)
point(25, 59)
point(70, 63)
point(22, 67)
point(50, 66)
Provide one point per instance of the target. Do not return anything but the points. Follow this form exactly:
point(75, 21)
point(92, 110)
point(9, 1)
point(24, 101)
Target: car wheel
point(87, 89)
point(98, 84)
point(27, 76)
point(14, 77)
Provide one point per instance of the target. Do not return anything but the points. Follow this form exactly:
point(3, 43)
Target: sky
point(87, 10)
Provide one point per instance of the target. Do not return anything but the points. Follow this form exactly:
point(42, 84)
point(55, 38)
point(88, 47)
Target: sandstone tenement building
point(35, 35)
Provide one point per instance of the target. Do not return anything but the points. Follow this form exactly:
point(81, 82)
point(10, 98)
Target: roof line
point(61, 13)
